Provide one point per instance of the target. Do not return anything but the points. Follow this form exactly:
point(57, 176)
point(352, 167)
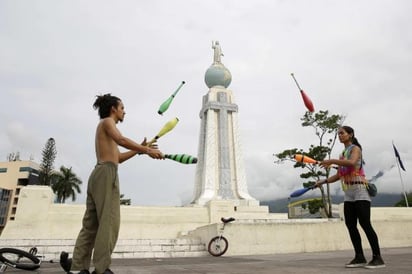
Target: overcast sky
point(352, 58)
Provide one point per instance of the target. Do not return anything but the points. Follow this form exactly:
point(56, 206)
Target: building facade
point(13, 176)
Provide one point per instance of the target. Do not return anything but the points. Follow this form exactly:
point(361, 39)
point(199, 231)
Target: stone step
point(125, 248)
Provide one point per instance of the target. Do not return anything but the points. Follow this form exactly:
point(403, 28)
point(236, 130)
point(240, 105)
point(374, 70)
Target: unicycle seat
point(227, 220)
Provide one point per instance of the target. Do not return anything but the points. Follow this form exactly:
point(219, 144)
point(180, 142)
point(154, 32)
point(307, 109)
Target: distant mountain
point(381, 200)
point(277, 206)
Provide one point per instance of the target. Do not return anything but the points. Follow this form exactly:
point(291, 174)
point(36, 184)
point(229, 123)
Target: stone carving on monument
point(220, 173)
point(217, 52)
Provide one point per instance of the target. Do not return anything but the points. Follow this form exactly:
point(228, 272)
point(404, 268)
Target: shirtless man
point(101, 220)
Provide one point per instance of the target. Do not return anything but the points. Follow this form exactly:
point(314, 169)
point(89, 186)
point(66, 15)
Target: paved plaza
point(398, 260)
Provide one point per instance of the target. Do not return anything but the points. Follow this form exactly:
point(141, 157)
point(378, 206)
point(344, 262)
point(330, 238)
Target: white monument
point(220, 173)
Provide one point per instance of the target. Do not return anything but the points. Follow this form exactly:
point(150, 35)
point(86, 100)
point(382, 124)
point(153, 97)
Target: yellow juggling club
point(165, 129)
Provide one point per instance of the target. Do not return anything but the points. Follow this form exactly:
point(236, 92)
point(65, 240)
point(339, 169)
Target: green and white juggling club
point(182, 158)
point(163, 107)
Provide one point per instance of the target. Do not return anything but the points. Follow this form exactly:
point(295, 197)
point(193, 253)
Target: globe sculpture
point(218, 75)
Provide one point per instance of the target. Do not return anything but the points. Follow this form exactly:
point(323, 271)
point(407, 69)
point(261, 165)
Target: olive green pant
point(101, 220)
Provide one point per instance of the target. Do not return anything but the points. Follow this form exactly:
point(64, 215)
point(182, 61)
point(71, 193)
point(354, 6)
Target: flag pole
point(400, 176)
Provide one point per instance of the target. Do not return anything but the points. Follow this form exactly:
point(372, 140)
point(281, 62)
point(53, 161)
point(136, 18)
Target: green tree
point(124, 201)
point(65, 184)
point(326, 127)
point(47, 164)
point(402, 202)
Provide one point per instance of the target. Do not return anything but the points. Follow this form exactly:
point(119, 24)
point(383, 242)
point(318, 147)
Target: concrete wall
point(292, 236)
point(255, 231)
point(37, 217)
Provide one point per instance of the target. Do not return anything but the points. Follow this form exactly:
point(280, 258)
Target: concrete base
point(37, 217)
point(255, 231)
point(125, 248)
point(252, 237)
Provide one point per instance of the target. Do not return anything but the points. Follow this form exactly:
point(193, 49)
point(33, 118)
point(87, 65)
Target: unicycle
point(218, 245)
point(19, 259)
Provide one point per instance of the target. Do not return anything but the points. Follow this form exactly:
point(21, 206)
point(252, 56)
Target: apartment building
point(13, 176)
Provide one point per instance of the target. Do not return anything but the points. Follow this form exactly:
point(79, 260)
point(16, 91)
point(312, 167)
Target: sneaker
point(376, 262)
point(107, 271)
point(65, 262)
point(84, 271)
point(358, 261)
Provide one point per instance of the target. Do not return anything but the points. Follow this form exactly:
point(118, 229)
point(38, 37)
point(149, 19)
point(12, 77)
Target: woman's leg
point(351, 218)
point(364, 213)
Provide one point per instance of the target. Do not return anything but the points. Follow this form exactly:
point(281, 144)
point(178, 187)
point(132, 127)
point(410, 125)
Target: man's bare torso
point(106, 148)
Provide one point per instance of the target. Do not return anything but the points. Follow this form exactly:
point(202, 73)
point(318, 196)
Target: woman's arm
point(354, 158)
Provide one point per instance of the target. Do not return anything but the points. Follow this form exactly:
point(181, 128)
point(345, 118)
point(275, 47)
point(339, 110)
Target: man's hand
point(155, 154)
point(152, 145)
point(152, 150)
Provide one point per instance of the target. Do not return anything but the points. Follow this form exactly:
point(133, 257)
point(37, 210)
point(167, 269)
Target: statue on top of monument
point(217, 52)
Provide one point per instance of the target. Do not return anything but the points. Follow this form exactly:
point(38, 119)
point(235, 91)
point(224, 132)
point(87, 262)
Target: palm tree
point(65, 184)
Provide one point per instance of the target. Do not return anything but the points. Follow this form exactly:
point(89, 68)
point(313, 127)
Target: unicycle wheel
point(19, 259)
point(218, 246)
